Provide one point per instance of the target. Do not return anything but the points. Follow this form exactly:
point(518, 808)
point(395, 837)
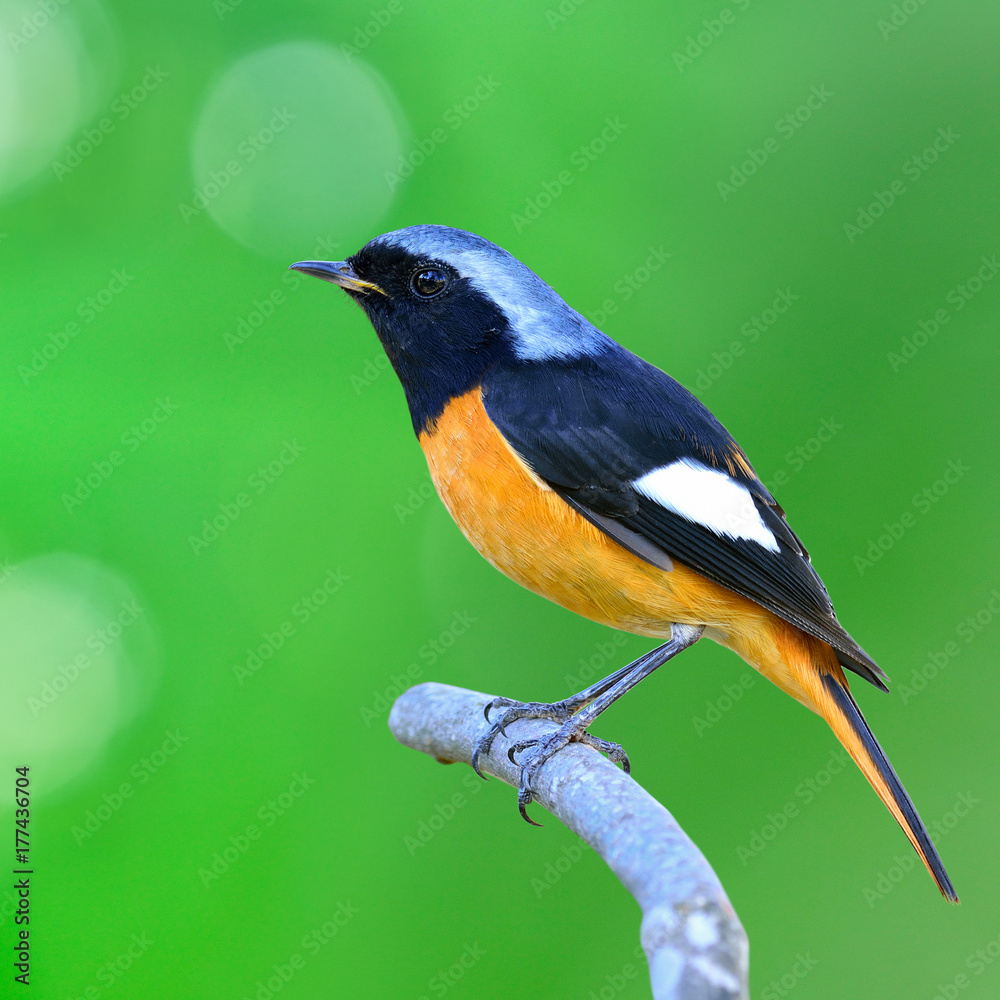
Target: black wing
point(591, 427)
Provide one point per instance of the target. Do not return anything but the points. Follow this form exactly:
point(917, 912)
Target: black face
point(440, 332)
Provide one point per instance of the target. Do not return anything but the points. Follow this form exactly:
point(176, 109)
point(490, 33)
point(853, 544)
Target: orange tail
point(832, 699)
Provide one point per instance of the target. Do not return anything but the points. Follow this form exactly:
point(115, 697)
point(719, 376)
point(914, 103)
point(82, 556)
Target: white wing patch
point(708, 497)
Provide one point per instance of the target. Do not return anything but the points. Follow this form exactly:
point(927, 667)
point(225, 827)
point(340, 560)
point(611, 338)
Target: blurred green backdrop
point(222, 553)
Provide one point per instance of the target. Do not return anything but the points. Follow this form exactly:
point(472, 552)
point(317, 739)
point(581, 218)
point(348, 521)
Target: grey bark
point(694, 942)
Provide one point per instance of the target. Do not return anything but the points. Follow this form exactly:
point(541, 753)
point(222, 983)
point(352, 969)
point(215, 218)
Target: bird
point(591, 477)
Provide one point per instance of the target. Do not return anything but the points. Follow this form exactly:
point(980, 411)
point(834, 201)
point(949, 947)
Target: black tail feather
point(917, 832)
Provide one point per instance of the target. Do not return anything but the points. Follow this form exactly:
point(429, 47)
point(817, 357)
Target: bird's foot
point(572, 730)
point(558, 711)
point(547, 747)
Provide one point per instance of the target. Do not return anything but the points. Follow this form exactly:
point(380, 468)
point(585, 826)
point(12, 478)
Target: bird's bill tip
point(338, 272)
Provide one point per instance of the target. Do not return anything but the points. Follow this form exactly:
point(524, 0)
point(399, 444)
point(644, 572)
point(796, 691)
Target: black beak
point(339, 272)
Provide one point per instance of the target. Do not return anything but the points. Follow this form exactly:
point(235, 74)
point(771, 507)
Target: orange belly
point(528, 532)
point(532, 535)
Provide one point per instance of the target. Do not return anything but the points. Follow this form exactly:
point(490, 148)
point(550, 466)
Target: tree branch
point(694, 942)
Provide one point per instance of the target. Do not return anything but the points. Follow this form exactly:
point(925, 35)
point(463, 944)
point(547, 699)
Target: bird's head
point(448, 305)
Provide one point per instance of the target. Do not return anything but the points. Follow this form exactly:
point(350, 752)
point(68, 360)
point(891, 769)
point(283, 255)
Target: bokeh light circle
point(292, 149)
point(78, 661)
point(58, 66)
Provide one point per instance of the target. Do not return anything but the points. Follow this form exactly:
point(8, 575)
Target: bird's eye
point(429, 282)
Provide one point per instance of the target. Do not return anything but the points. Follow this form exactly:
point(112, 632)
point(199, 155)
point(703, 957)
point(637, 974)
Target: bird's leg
point(573, 729)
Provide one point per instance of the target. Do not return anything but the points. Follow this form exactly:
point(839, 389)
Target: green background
point(350, 497)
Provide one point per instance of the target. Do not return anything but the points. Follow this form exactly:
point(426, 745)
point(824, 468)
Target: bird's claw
point(559, 711)
point(523, 801)
point(518, 747)
point(548, 747)
point(544, 747)
point(497, 703)
point(615, 752)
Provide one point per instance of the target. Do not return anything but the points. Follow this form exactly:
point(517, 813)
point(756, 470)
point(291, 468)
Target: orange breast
point(533, 536)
